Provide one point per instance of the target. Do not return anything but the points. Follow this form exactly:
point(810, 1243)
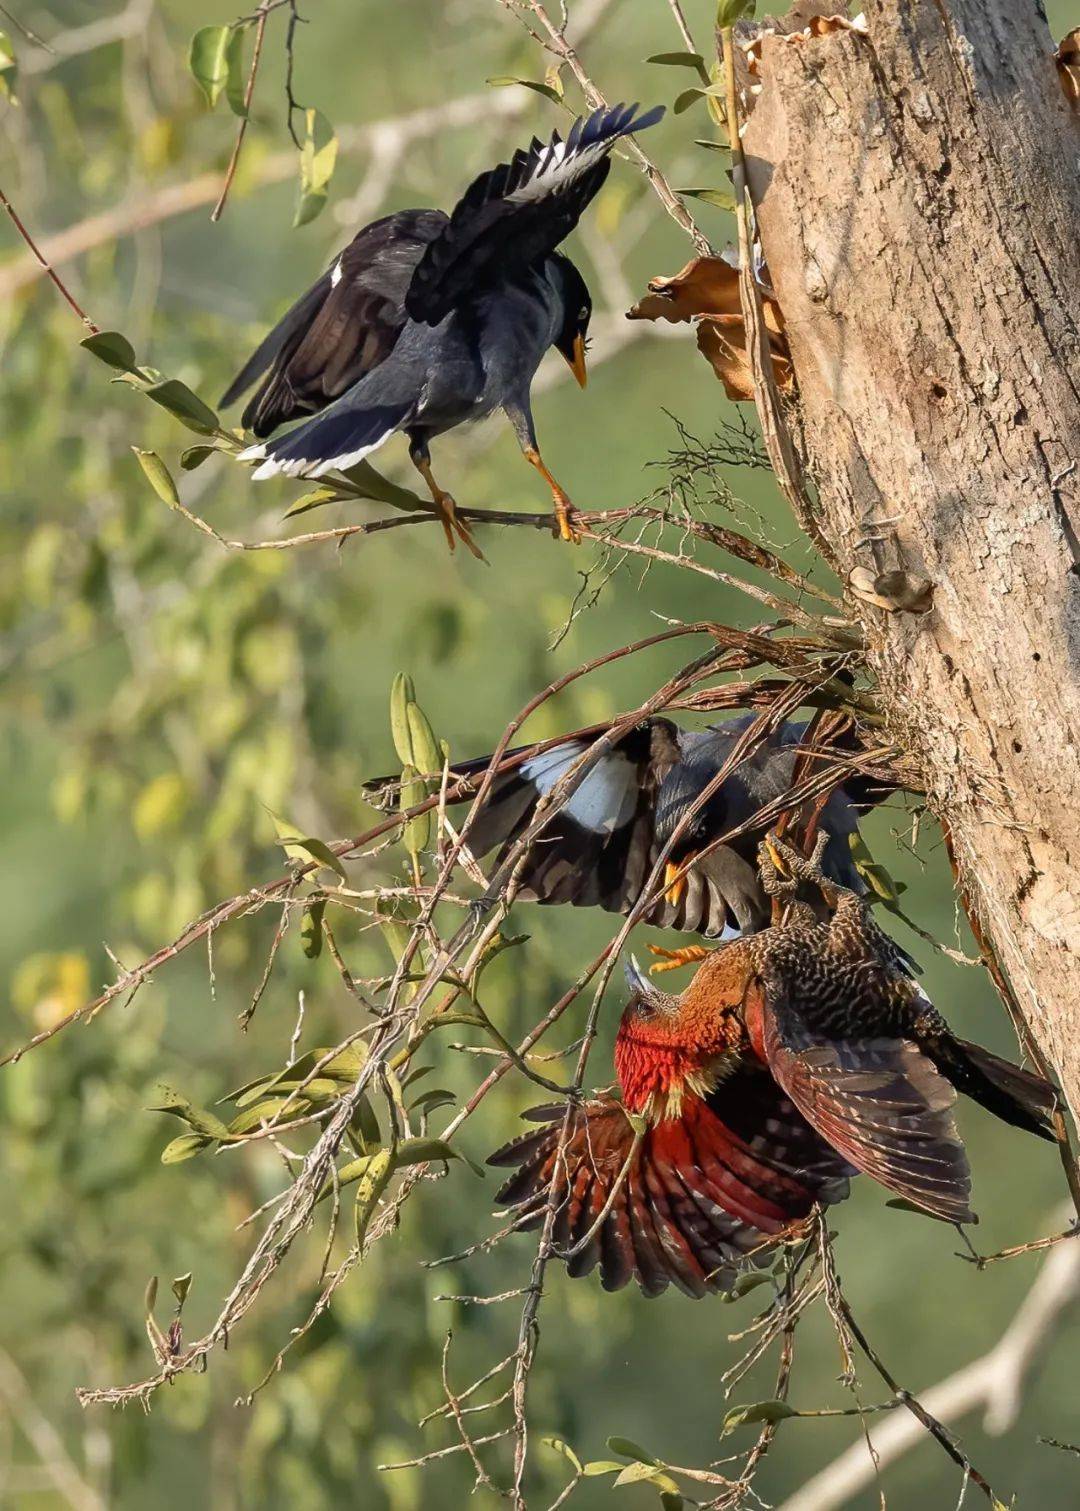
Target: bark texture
point(918, 197)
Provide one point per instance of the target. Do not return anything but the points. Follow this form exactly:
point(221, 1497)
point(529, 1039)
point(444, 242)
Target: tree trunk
point(918, 202)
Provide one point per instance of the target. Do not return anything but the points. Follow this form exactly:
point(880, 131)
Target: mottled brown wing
point(878, 1101)
point(344, 326)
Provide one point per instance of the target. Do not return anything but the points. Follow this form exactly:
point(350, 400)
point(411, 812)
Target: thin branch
point(249, 90)
point(44, 264)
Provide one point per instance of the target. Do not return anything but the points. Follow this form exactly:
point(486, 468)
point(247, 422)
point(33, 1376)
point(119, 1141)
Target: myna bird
point(600, 848)
point(796, 1057)
point(428, 320)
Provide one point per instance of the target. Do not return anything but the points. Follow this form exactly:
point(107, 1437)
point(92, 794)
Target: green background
point(159, 694)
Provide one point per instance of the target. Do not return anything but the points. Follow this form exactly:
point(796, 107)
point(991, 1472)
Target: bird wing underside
point(342, 328)
point(687, 1203)
point(880, 1103)
point(517, 213)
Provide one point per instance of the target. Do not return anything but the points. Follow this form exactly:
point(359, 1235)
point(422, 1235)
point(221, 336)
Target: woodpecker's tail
point(1016, 1096)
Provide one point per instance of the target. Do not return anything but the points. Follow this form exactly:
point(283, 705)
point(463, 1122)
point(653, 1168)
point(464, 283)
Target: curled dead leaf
point(706, 292)
point(1067, 59)
point(817, 26)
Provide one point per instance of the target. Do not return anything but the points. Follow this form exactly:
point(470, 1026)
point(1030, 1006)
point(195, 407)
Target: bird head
point(571, 341)
point(669, 1047)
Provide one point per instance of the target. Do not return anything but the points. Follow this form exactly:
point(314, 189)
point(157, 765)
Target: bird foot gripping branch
point(427, 321)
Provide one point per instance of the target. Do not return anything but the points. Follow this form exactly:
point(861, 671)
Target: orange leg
point(447, 508)
point(675, 873)
point(674, 960)
point(564, 509)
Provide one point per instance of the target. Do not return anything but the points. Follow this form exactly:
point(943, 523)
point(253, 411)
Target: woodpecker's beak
point(576, 361)
point(645, 992)
point(636, 979)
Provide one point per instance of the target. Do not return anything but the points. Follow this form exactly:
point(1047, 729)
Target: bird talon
point(674, 960)
point(675, 881)
point(565, 520)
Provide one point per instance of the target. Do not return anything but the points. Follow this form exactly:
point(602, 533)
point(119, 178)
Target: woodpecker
point(797, 1057)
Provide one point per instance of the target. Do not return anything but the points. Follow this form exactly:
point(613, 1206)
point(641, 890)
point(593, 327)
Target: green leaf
point(397, 936)
point(502, 81)
point(311, 934)
point(313, 500)
point(631, 1450)
point(111, 348)
point(184, 1147)
point(9, 69)
point(426, 756)
point(235, 80)
point(430, 1101)
point(679, 59)
point(596, 1467)
point(365, 1125)
point(402, 693)
point(688, 96)
point(371, 1185)
point(187, 407)
point(421, 1151)
point(759, 1411)
point(318, 156)
point(635, 1474)
point(264, 1111)
point(304, 847)
point(180, 1287)
point(208, 61)
point(560, 1445)
point(179, 1106)
point(417, 831)
point(370, 483)
point(682, 60)
point(723, 199)
point(158, 475)
point(194, 456)
point(150, 1298)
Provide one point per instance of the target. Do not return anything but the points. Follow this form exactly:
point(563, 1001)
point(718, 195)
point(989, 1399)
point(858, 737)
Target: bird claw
point(783, 868)
point(564, 522)
point(674, 960)
point(456, 529)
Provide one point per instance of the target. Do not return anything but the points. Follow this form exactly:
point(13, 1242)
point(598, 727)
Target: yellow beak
point(577, 362)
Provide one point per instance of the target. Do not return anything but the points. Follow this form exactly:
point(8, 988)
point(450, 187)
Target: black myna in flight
point(599, 849)
point(427, 320)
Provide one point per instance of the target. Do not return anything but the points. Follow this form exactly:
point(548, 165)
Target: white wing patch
point(335, 274)
point(300, 466)
point(555, 170)
point(606, 797)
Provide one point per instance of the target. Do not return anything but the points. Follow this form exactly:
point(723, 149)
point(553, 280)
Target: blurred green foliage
point(160, 695)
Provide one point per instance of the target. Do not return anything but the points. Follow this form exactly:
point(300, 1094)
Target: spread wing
point(600, 848)
point(687, 1202)
point(520, 211)
point(877, 1100)
point(342, 327)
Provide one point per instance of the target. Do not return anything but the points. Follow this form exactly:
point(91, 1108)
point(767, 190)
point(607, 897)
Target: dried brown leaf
point(706, 290)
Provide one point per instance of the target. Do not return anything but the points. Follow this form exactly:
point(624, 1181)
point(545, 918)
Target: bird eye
point(583, 313)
